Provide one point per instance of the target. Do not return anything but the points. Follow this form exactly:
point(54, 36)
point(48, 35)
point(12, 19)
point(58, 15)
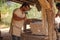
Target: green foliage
point(8, 8)
point(33, 13)
point(7, 11)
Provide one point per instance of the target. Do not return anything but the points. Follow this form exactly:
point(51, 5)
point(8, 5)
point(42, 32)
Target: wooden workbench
point(26, 36)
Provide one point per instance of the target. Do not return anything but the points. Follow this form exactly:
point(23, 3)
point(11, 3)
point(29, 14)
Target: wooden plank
point(44, 22)
point(26, 36)
point(51, 30)
point(44, 4)
point(48, 16)
point(50, 21)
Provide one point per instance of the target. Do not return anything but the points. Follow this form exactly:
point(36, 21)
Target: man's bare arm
point(15, 17)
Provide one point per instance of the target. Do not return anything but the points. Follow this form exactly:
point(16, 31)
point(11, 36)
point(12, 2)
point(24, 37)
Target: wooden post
point(50, 20)
point(45, 5)
point(53, 32)
point(48, 16)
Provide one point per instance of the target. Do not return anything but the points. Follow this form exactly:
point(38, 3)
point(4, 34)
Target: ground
point(4, 29)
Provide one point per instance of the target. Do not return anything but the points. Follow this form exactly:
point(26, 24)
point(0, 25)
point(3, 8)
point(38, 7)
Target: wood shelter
point(48, 14)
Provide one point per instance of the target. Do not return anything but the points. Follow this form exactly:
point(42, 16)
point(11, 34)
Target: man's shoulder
point(16, 9)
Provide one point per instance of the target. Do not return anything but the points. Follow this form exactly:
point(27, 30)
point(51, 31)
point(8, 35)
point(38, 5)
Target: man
point(18, 21)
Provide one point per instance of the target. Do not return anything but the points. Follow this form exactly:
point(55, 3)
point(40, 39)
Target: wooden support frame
point(48, 17)
point(45, 4)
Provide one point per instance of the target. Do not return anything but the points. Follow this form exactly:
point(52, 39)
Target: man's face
point(26, 8)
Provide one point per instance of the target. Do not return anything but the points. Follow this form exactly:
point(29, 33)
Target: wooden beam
point(44, 4)
point(21, 1)
point(48, 16)
point(44, 21)
point(50, 20)
point(51, 31)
